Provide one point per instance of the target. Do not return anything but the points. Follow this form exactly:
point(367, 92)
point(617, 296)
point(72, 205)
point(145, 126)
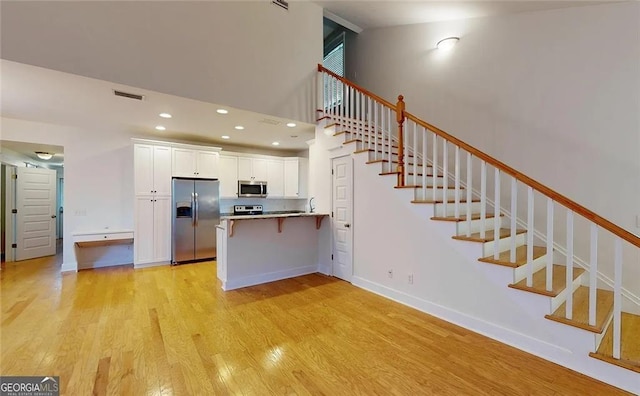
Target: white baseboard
point(237, 283)
point(69, 267)
point(616, 376)
point(148, 265)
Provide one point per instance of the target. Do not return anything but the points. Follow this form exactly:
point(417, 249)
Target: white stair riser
point(520, 273)
point(503, 244)
point(475, 208)
point(476, 225)
point(440, 192)
point(557, 301)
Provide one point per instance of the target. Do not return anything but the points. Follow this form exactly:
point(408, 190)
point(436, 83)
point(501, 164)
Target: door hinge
point(14, 245)
point(14, 176)
point(332, 257)
point(332, 171)
point(14, 210)
point(332, 213)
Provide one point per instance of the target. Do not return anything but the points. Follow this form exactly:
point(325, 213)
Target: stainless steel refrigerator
point(196, 213)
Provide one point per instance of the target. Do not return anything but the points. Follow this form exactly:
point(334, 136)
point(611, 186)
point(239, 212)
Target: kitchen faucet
point(311, 207)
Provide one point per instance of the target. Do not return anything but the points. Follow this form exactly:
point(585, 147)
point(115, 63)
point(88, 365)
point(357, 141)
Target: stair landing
point(629, 344)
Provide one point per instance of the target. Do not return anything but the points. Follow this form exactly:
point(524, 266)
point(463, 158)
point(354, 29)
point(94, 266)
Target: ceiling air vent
point(128, 95)
point(282, 3)
point(270, 121)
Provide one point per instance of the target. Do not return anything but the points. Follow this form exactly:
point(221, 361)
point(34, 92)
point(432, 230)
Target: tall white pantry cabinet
point(152, 228)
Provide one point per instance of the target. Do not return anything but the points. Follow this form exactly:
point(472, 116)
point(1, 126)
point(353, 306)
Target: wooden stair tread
point(428, 186)
point(395, 173)
point(394, 162)
point(474, 216)
point(439, 201)
point(604, 307)
point(488, 237)
point(373, 151)
point(539, 286)
point(629, 344)
point(521, 256)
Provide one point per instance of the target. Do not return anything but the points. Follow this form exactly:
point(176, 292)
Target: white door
point(342, 209)
point(36, 217)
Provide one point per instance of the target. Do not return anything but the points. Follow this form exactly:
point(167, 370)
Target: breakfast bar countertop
point(270, 215)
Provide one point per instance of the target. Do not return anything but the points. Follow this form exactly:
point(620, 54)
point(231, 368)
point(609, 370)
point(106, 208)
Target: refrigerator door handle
point(196, 212)
point(193, 209)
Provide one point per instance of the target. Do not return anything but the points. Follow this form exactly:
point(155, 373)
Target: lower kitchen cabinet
point(152, 237)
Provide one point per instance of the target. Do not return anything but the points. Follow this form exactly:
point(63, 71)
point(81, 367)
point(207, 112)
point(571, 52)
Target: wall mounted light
point(43, 155)
point(447, 43)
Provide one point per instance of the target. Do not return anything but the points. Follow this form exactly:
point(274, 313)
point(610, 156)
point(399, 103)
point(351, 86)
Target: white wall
point(98, 176)
point(554, 94)
point(251, 55)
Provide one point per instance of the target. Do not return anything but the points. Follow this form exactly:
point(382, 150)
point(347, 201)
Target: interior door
point(36, 217)
point(342, 209)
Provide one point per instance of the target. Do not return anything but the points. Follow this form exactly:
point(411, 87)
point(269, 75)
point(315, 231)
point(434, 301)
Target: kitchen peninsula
point(255, 249)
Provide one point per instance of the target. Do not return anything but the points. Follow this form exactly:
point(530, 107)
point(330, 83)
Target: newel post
point(400, 118)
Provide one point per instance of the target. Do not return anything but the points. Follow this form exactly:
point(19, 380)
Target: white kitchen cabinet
point(295, 177)
point(152, 233)
point(195, 163)
point(275, 178)
point(152, 169)
point(228, 176)
point(252, 169)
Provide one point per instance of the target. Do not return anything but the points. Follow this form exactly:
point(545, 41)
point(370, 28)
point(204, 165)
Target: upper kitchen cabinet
point(252, 169)
point(228, 176)
point(196, 163)
point(152, 169)
point(295, 177)
point(275, 178)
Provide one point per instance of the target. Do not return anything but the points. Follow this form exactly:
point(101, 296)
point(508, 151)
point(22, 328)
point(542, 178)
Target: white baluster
point(424, 162)
point(593, 274)
point(351, 104)
point(320, 92)
point(370, 123)
point(549, 280)
point(456, 184)
point(530, 230)
point(469, 190)
point(514, 217)
point(415, 153)
point(483, 198)
point(434, 167)
point(617, 298)
point(391, 167)
point(496, 219)
point(569, 264)
point(445, 172)
point(377, 127)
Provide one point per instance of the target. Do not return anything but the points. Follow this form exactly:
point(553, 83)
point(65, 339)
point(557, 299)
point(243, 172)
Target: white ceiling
point(373, 14)
point(43, 95)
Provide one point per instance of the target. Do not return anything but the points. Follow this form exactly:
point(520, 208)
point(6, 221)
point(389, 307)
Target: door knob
point(53, 216)
point(347, 225)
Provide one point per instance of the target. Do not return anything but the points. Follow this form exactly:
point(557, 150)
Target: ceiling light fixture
point(43, 155)
point(160, 128)
point(222, 111)
point(291, 125)
point(239, 127)
point(275, 143)
point(165, 115)
point(447, 43)
point(225, 137)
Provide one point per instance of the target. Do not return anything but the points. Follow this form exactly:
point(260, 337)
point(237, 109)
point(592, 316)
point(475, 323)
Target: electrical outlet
point(390, 273)
point(411, 279)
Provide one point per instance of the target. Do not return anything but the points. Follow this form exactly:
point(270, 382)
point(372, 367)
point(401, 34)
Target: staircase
point(465, 189)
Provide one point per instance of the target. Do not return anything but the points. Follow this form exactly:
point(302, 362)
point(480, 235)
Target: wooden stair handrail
point(556, 196)
point(356, 87)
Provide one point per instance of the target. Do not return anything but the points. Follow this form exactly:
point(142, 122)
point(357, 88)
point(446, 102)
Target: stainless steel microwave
point(252, 188)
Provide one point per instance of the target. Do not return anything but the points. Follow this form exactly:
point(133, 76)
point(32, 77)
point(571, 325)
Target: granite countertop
point(269, 215)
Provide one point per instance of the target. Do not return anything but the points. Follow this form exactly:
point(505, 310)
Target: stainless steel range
point(239, 210)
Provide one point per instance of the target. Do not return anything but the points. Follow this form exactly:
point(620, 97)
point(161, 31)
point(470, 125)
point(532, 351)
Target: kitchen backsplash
point(268, 205)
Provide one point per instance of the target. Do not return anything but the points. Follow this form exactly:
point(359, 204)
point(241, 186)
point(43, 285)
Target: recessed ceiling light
point(160, 128)
point(291, 125)
point(165, 115)
point(225, 137)
point(239, 127)
point(275, 143)
point(222, 111)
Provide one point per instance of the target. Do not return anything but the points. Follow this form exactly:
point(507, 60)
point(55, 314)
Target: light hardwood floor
point(173, 331)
